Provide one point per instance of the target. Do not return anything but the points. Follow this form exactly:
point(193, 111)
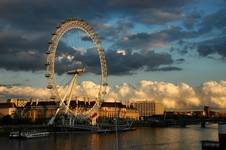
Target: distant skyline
point(170, 51)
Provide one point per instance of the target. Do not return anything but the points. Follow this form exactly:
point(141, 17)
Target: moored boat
point(14, 134)
point(27, 134)
point(114, 130)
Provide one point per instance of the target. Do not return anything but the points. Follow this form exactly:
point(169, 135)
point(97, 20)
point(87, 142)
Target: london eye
point(64, 99)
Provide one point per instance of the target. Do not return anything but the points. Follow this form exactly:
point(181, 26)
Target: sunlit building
point(39, 110)
point(7, 109)
point(112, 110)
point(46, 109)
point(19, 102)
point(147, 108)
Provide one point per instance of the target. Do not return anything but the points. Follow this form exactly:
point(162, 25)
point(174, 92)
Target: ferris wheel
point(65, 99)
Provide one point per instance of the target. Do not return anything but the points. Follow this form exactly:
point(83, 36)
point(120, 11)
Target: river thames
point(141, 139)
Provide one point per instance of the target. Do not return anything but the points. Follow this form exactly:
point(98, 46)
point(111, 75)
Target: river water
point(141, 139)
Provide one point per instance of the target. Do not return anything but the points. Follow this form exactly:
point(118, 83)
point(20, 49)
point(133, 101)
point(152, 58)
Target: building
point(46, 109)
point(7, 109)
point(112, 110)
point(39, 110)
point(18, 101)
point(147, 108)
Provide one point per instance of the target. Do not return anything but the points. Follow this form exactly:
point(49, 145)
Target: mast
point(116, 127)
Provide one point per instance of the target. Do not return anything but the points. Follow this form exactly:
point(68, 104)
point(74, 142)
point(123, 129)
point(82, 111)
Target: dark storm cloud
point(213, 21)
point(127, 64)
point(154, 40)
point(34, 60)
point(216, 45)
point(42, 14)
point(113, 32)
point(22, 51)
point(168, 68)
point(12, 41)
point(184, 47)
point(142, 60)
point(27, 61)
point(26, 25)
point(180, 60)
point(151, 11)
point(213, 46)
point(119, 64)
point(190, 20)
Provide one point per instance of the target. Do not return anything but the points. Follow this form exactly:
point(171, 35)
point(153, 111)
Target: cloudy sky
point(172, 41)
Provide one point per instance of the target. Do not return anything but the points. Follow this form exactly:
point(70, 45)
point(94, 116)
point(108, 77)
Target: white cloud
point(121, 52)
point(182, 95)
point(214, 93)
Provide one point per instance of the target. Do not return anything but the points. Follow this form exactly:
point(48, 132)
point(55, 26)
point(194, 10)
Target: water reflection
point(141, 139)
